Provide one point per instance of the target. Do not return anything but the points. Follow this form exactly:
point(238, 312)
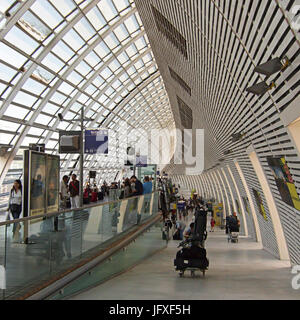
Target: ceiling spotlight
point(273, 66)
point(261, 88)
point(237, 136)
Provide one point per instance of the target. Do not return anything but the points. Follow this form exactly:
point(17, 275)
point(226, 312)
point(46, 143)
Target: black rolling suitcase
point(100, 196)
point(193, 257)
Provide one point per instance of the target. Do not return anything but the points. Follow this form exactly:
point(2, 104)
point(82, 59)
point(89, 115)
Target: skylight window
point(106, 78)
point(112, 41)
point(73, 39)
point(46, 12)
point(64, 7)
point(108, 9)
point(121, 33)
point(96, 19)
point(132, 24)
point(63, 51)
point(84, 28)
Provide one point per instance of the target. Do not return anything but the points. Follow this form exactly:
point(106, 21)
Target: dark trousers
point(16, 211)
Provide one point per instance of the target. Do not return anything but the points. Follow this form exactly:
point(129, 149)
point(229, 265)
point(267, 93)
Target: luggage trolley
point(192, 265)
point(233, 237)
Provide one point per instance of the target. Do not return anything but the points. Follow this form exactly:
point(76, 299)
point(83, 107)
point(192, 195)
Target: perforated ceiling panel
point(225, 42)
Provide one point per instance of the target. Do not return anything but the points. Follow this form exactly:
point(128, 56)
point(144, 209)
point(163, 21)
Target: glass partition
point(35, 250)
point(143, 247)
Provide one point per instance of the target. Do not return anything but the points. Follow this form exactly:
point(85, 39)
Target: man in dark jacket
point(138, 189)
point(234, 223)
point(74, 192)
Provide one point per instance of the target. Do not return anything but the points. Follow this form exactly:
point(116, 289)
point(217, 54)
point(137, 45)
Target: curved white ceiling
point(59, 56)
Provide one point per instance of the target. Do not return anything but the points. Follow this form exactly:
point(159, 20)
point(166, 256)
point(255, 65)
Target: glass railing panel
point(33, 251)
point(2, 262)
point(154, 203)
point(146, 207)
point(66, 239)
point(27, 263)
point(144, 246)
point(128, 214)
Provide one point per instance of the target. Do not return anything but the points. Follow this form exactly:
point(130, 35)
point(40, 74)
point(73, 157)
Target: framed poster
point(238, 207)
point(41, 183)
point(284, 181)
point(245, 200)
point(37, 183)
point(259, 203)
point(52, 178)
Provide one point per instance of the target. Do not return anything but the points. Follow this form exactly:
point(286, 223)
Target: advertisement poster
point(96, 141)
point(246, 205)
point(38, 184)
point(238, 207)
point(53, 183)
point(218, 214)
point(259, 203)
point(284, 181)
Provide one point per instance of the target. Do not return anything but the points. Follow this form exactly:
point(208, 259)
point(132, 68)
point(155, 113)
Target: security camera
point(60, 116)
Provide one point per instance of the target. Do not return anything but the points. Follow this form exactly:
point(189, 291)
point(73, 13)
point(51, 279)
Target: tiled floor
point(237, 271)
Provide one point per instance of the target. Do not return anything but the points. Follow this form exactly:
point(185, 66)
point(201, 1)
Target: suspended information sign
point(96, 141)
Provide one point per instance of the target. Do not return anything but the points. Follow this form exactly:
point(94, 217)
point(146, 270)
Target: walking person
point(212, 224)
point(64, 193)
point(15, 206)
point(127, 188)
point(74, 192)
point(137, 188)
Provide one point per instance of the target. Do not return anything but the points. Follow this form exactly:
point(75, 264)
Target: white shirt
point(15, 197)
point(64, 190)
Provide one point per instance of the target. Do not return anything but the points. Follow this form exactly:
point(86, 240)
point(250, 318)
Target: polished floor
point(237, 271)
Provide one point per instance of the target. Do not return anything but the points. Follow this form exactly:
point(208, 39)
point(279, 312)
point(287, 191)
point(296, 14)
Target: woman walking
point(15, 205)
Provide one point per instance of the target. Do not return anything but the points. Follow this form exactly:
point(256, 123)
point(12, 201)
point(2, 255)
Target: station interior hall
point(133, 131)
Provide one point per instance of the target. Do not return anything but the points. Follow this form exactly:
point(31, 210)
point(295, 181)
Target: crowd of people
point(177, 217)
point(129, 187)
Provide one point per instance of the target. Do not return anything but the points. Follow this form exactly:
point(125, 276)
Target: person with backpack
point(74, 192)
point(15, 204)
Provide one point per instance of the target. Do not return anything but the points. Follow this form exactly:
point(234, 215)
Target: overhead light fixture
point(237, 136)
point(261, 88)
point(61, 118)
point(273, 66)
point(227, 152)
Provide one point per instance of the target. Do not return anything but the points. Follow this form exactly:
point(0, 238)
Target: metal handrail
point(56, 213)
